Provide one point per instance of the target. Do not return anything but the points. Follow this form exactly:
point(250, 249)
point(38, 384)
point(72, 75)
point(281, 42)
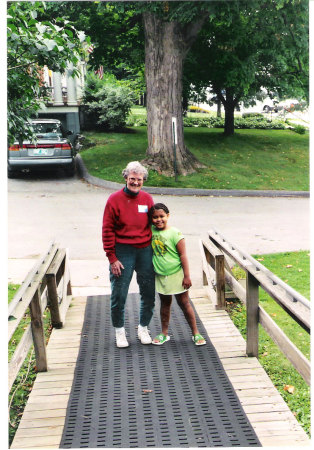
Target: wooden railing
point(297, 306)
point(213, 273)
point(40, 289)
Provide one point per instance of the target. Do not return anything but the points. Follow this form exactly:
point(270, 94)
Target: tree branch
point(21, 65)
point(191, 30)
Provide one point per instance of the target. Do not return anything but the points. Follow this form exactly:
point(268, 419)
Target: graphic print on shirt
point(159, 245)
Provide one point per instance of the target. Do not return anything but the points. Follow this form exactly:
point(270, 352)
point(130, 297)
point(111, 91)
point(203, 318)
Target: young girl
point(171, 273)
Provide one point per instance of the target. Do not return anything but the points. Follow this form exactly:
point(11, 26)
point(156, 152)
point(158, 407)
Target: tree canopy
point(115, 30)
point(234, 47)
point(31, 44)
point(264, 46)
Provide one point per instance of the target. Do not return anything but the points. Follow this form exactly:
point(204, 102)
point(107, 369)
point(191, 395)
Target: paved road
point(43, 207)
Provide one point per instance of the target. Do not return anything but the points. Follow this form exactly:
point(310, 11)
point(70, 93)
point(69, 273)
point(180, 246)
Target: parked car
point(270, 106)
point(288, 105)
point(292, 104)
point(51, 149)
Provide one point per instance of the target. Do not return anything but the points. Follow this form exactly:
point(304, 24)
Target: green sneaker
point(160, 339)
point(198, 339)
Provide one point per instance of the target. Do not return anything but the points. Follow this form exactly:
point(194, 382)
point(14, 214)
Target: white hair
point(135, 166)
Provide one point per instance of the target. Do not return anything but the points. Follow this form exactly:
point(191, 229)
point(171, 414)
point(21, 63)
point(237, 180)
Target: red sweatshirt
point(126, 221)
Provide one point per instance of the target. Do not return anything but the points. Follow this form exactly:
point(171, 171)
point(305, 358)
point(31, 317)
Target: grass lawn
point(251, 159)
point(294, 269)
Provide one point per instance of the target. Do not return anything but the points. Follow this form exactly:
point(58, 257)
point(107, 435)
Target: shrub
point(106, 103)
point(136, 121)
point(258, 122)
point(252, 114)
point(300, 129)
point(197, 109)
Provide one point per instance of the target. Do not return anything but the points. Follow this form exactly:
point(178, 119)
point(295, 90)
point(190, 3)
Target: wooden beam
point(56, 262)
point(292, 301)
point(296, 310)
point(220, 281)
point(19, 355)
point(38, 332)
point(38, 282)
point(297, 359)
point(251, 315)
point(46, 258)
point(238, 290)
point(53, 302)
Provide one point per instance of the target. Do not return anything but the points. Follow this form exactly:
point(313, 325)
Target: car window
point(47, 130)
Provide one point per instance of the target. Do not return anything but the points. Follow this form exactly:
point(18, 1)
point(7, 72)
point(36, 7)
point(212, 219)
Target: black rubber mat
point(173, 395)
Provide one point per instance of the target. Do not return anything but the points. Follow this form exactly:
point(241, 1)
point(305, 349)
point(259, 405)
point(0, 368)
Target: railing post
point(207, 257)
point(252, 318)
point(38, 333)
point(69, 288)
point(67, 273)
point(220, 281)
point(53, 301)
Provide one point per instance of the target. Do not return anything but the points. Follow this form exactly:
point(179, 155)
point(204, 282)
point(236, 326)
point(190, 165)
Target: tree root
point(187, 165)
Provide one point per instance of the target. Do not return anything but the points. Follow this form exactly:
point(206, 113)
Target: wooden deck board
point(272, 420)
point(43, 419)
point(44, 415)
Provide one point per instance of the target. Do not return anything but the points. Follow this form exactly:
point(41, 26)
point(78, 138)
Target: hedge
point(217, 122)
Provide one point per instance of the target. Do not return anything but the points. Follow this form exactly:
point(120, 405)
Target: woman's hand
point(116, 268)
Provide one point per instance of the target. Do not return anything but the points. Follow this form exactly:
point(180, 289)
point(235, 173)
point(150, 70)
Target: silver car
point(51, 149)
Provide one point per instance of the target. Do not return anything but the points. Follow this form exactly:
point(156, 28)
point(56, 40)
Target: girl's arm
point(186, 283)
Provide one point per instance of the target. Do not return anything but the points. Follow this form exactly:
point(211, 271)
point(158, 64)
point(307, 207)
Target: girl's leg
point(184, 303)
point(165, 306)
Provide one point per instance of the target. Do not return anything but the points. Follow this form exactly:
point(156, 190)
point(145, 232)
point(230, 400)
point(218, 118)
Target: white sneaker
point(143, 335)
point(121, 340)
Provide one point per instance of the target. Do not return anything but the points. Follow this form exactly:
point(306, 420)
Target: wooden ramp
point(43, 419)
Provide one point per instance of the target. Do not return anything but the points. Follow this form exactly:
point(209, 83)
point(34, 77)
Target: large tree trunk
point(229, 103)
point(166, 44)
point(218, 108)
point(229, 118)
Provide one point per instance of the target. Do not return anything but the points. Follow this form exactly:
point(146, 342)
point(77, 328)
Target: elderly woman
point(126, 236)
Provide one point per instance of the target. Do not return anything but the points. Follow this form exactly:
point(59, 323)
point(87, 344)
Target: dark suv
point(51, 149)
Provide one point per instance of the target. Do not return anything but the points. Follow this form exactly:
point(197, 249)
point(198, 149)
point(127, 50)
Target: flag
point(100, 72)
point(90, 48)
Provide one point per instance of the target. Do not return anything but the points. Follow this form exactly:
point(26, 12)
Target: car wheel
point(11, 173)
point(266, 109)
point(70, 171)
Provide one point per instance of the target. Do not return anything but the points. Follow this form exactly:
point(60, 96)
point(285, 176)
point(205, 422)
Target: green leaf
point(49, 43)
point(69, 33)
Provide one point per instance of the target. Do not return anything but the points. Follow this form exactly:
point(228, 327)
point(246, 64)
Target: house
point(63, 93)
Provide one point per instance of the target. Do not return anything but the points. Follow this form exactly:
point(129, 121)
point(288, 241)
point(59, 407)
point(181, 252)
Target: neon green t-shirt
point(166, 259)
